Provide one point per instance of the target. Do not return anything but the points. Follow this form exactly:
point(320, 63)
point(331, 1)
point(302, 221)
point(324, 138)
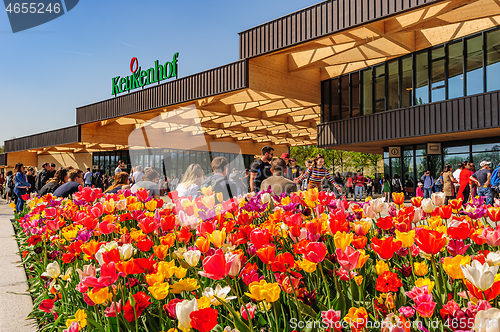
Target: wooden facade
point(47, 139)
point(322, 19)
point(477, 112)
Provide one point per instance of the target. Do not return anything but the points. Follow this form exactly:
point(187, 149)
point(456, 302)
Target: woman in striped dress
point(316, 173)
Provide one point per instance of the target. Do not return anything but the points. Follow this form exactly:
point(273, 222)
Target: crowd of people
point(281, 175)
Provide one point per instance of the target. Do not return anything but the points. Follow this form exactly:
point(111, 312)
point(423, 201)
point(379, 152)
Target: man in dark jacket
point(219, 181)
point(43, 176)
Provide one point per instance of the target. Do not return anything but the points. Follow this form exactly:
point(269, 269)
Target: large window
point(467, 66)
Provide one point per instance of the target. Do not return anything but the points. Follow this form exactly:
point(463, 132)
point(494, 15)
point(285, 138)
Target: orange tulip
point(445, 211)
point(161, 251)
point(455, 204)
point(90, 248)
point(267, 254)
point(494, 214)
point(202, 243)
point(398, 198)
point(359, 242)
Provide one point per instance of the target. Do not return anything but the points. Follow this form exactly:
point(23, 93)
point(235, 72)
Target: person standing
point(456, 175)
point(277, 182)
point(316, 173)
point(397, 186)
point(42, 176)
point(121, 164)
point(2, 181)
point(88, 178)
point(261, 169)
point(387, 188)
point(294, 168)
point(428, 182)
point(448, 183)
point(348, 185)
point(31, 179)
point(359, 183)
point(482, 179)
point(21, 186)
point(305, 182)
point(438, 185)
point(472, 184)
point(137, 175)
point(9, 187)
point(149, 182)
point(191, 182)
point(339, 181)
point(464, 189)
point(420, 191)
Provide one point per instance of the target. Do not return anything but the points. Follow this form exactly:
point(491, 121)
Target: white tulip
point(265, 198)
point(493, 258)
point(438, 198)
point(188, 221)
point(183, 310)
point(427, 205)
point(418, 215)
point(192, 257)
point(487, 320)
point(480, 275)
point(368, 211)
point(53, 270)
point(126, 251)
point(219, 292)
point(378, 204)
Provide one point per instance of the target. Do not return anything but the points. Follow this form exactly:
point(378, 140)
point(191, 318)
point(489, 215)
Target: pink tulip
point(251, 310)
point(492, 236)
point(344, 275)
point(348, 259)
point(368, 211)
point(406, 311)
point(331, 318)
point(425, 305)
point(113, 308)
point(416, 291)
point(457, 247)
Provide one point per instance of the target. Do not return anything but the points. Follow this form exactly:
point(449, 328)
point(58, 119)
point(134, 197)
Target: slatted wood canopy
point(272, 96)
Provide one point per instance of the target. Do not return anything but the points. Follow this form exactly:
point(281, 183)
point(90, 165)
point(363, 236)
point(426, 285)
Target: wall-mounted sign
point(433, 148)
point(95, 167)
point(394, 151)
point(141, 78)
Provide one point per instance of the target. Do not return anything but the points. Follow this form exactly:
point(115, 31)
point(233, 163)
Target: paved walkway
point(15, 303)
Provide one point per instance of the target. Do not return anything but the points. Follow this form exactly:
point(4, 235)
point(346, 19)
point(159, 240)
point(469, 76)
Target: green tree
point(1, 149)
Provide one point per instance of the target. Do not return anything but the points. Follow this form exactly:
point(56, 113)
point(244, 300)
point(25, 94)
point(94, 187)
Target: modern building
point(415, 80)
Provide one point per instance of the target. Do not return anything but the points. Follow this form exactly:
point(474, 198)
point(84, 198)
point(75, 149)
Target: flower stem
point(326, 285)
point(433, 261)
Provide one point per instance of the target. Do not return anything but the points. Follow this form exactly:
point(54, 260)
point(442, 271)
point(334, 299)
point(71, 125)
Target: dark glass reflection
point(474, 64)
point(355, 94)
point(393, 85)
point(455, 70)
point(438, 85)
point(406, 81)
point(367, 92)
point(422, 79)
point(493, 60)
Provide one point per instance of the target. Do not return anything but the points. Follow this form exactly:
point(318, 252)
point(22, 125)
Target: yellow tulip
point(420, 269)
point(435, 222)
point(100, 296)
point(151, 205)
point(187, 285)
point(167, 269)
point(355, 315)
point(152, 279)
point(306, 265)
point(80, 318)
point(217, 238)
point(203, 302)
point(425, 282)
point(342, 240)
point(262, 291)
point(180, 272)
point(452, 266)
point(381, 267)
point(159, 290)
point(358, 280)
point(406, 238)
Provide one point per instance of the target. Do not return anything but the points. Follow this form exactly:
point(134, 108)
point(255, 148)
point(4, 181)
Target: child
point(420, 191)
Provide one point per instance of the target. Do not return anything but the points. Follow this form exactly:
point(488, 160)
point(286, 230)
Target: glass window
point(421, 150)
point(386, 167)
point(334, 100)
point(408, 179)
point(435, 166)
point(455, 70)
point(355, 94)
point(456, 149)
point(454, 159)
point(393, 85)
point(367, 92)
point(380, 88)
point(486, 147)
point(474, 65)
point(422, 79)
point(344, 84)
point(494, 157)
point(406, 81)
point(421, 162)
point(437, 75)
point(326, 101)
point(395, 167)
point(493, 60)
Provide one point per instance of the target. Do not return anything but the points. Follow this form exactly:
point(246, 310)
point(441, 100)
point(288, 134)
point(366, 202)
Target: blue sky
point(49, 70)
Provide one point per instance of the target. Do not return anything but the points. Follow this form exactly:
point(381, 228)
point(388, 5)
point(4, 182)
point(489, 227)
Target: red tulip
point(167, 223)
point(494, 214)
point(430, 242)
point(445, 211)
point(215, 266)
point(385, 223)
point(283, 262)
point(348, 259)
point(149, 225)
point(111, 256)
point(142, 195)
point(416, 201)
point(455, 204)
point(146, 264)
point(460, 232)
point(314, 226)
point(338, 222)
point(47, 306)
point(260, 237)
point(359, 242)
point(316, 252)
point(385, 248)
point(141, 302)
point(145, 245)
point(204, 320)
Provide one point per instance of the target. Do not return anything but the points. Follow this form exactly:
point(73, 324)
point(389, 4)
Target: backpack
point(10, 182)
point(439, 181)
point(494, 179)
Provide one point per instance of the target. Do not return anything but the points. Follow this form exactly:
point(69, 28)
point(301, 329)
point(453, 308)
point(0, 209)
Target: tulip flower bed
point(123, 262)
